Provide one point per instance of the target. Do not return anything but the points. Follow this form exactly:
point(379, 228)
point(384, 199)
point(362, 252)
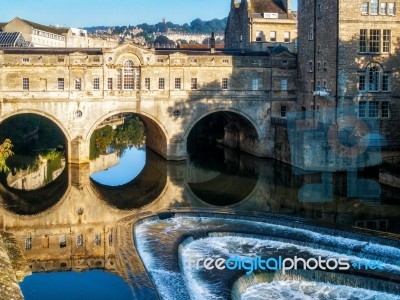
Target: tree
point(5, 152)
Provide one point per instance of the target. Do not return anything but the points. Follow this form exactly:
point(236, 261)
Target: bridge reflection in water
point(75, 223)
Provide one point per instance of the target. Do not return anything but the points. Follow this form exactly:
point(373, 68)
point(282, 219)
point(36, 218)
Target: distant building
point(258, 24)
point(50, 36)
point(12, 39)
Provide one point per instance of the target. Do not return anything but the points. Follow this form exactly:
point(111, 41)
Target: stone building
point(349, 56)
point(170, 89)
point(259, 24)
point(39, 35)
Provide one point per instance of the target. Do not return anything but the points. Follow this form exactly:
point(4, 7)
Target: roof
point(11, 39)
point(41, 27)
point(270, 6)
point(54, 51)
point(199, 46)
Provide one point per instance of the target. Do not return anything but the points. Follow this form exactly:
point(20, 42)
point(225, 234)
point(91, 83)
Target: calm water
point(76, 210)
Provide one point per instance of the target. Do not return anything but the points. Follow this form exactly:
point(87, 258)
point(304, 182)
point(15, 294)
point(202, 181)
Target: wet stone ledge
point(13, 267)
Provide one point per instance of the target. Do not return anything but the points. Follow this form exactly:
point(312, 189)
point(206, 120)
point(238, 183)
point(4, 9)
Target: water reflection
point(39, 156)
point(74, 285)
point(117, 152)
point(116, 170)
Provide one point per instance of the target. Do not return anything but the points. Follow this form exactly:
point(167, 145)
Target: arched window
point(373, 78)
point(129, 75)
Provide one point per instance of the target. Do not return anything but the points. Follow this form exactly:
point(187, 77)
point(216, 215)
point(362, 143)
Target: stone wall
point(13, 267)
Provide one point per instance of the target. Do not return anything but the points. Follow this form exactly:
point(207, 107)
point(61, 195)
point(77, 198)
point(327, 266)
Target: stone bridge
point(170, 89)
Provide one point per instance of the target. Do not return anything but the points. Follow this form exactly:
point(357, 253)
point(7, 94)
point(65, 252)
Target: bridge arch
point(221, 110)
point(156, 133)
point(241, 131)
point(40, 113)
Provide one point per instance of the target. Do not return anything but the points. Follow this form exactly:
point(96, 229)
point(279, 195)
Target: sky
point(86, 13)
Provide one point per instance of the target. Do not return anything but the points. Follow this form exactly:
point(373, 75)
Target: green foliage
point(131, 133)
point(163, 40)
point(5, 153)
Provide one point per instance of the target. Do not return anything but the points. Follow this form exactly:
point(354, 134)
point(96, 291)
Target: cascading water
point(168, 248)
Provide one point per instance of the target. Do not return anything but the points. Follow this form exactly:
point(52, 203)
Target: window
point(385, 109)
point(137, 78)
point(193, 84)
point(361, 82)
point(193, 61)
point(161, 83)
point(319, 65)
point(178, 83)
point(283, 111)
point(60, 84)
point(96, 59)
point(382, 9)
point(362, 107)
point(272, 36)
point(96, 83)
point(25, 60)
point(390, 8)
point(325, 65)
point(109, 83)
point(286, 37)
point(373, 109)
point(147, 83)
point(61, 59)
point(255, 84)
point(225, 61)
point(284, 85)
point(25, 84)
point(364, 8)
point(319, 10)
point(62, 241)
point(311, 32)
point(259, 36)
point(224, 84)
point(110, 239)
point(319, 48)
point(363, 40)
point(97, 239)
point(373, 79)
point(160, 60)
point(374, 7)
point(119, 80)
point(374, 40)
point(28, 243)
point(386, 34)
point(310, 66)
point(78, 84)
point(128, 75)
point(386, 82)
point(79, 240)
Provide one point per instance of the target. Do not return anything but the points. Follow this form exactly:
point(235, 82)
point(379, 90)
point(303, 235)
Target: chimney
point(288, 6)
point(212, 42)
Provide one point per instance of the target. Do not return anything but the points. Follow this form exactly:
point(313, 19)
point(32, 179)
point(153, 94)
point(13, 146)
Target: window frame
point(224, 84)
point(161, 83)
point(25, 84)
point(60, 84)
point(96, 83)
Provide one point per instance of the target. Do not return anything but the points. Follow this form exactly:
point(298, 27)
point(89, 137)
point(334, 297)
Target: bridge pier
point(78, 151)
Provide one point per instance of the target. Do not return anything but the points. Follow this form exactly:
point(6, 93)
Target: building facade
point(259, 24)
point(349, 51)
point(171, 89)
point(39, 35)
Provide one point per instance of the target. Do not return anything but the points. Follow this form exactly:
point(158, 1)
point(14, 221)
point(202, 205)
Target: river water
point(72, 254)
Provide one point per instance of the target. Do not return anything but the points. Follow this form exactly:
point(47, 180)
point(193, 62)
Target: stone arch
point(156, 134)
point(229, 110)
point(40, 113)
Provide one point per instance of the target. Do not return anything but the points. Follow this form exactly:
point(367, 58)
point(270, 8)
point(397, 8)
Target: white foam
point(291, 289)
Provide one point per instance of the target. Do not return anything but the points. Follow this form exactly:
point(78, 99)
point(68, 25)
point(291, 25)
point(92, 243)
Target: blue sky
point(81, 13)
